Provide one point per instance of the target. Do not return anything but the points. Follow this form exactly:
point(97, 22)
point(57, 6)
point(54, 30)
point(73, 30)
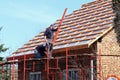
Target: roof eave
point(71, 48)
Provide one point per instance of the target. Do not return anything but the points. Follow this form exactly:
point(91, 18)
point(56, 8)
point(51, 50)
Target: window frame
point(70, 72)
point(35, 75)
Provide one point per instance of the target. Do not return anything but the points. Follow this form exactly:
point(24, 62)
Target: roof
point(82, 27)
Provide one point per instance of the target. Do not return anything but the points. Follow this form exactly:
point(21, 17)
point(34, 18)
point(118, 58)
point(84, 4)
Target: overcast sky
point(23, 19)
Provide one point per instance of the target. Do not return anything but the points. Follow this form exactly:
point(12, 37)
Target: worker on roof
point(41, 51)
point(49, 36)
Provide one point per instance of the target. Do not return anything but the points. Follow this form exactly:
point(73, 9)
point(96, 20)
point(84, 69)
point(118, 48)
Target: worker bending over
point(41, 51)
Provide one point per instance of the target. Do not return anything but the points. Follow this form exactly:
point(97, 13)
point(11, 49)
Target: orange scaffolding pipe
point(33, 68)
point(24, 76)
point(56, 62)
point(60, 25)
point(100, 66)
point(60, 75)
point(13, 68)
point(80, 78)
point(66, 63)
point(47, 67)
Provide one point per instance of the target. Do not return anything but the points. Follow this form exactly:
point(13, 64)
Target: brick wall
point(110, 61)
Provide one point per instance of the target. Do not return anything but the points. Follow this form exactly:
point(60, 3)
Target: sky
point(23, 19)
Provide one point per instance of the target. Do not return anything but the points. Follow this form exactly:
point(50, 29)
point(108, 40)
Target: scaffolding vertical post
point(60, 75)
point(6, 70)
point(57, 63)
point(24, 76)
point(47, 69)
point(10, 70)
point(100, 66)
point(47, 66)
point(66, 63)
point(53, 77)
point(13, 68)
point(80, 78)
point(33, 68)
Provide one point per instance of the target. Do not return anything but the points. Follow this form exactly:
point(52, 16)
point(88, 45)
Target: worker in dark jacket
point(40, 51)
point(49, 36)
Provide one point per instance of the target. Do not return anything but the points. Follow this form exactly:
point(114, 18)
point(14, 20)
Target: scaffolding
point(68, 67)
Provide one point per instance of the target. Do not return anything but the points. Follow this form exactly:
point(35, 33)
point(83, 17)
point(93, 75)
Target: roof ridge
point(93, 2)
point(103, 0)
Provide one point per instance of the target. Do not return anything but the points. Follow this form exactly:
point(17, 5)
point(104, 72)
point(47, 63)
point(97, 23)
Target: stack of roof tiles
point(82, 27)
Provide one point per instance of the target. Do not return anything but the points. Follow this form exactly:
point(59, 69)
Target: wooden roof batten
point(79, 29)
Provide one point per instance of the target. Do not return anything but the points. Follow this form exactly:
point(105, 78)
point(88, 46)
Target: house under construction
point(87, 47)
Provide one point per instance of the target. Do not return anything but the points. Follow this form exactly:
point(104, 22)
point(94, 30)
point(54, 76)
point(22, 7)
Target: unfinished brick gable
point(111, 55)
